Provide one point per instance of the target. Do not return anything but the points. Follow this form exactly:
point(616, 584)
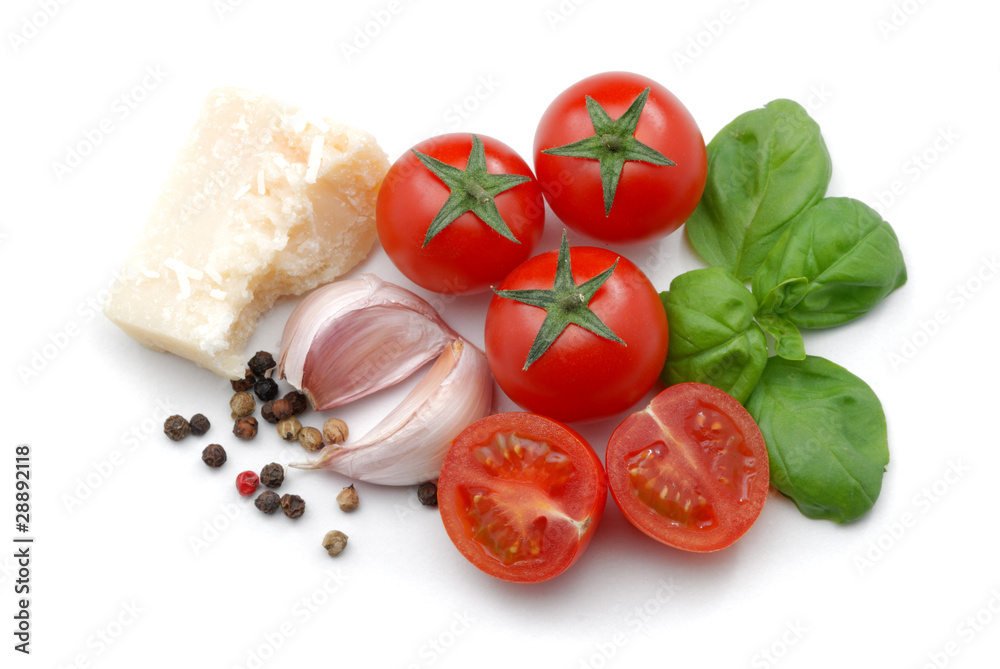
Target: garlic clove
point(352, 338)
point(408, 446)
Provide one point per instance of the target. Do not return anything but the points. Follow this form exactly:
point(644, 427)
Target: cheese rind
point(263, 201)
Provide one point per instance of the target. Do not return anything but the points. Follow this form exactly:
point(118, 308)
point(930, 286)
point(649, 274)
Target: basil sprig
point(813, 262)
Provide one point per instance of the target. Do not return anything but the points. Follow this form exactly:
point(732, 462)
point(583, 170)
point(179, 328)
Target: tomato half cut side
point(690, 470)
point(521, 496)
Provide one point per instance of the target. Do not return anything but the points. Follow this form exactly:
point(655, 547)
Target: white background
point(145, 557)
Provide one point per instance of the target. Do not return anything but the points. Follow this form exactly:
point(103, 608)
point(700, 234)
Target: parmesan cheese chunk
point(262, 202)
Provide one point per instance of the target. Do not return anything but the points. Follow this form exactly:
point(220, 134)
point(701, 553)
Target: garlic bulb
point(409, 445)
point(351, 338)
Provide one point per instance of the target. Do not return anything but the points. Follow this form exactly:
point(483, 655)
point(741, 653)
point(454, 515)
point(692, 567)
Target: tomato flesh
point(521, 495)
point(690, 470)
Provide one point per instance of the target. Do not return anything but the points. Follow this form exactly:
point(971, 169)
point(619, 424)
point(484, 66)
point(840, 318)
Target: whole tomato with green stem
point(458, 211)
point(620, 158)
point(576, 334)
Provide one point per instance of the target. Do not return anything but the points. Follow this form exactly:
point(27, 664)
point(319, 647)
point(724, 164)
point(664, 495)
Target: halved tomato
point(690, 470)
point(521, 495)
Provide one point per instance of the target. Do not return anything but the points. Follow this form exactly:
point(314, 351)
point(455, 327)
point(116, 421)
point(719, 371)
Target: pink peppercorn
point(246, 483)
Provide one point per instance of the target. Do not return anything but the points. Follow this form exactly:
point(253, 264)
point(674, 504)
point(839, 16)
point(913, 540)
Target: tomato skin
point(570, 504)
point(467, 256)
point(722, 470)
point(582, 376)
point(650, 201)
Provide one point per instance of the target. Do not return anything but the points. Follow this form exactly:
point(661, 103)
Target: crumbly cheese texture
point(263, 201)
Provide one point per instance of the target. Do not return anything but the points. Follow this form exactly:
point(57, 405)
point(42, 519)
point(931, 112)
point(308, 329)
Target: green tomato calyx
point(564, 303)
point(612, 145)
point(472, 189)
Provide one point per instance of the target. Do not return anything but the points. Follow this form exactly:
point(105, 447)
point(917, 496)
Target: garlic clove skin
point(349, 339)
point(408, 446)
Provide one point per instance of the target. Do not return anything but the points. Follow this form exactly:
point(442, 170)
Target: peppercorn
point(246, 483)
point(348, 499)
point(242, 404)
point(272, 475)
point(176, 427)
point(289, 428)
point(335, 542)
point(292, 505)
point(268, 501)
point(427, 493)
point(310, 438)
point(245, 427)
point(334, 431)
point(266, 389)
point(300, 403)
point(199, 424)
point(282, 409)
point(244, 384)
point(267, 411)
point(214, 455)
point(260, 363)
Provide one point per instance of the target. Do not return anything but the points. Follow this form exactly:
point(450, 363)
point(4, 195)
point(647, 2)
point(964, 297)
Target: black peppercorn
point(260, 363)
point(199, 424)
point(292, 505)
point(267, 412)
point(176, 427)
point(266, 389)
point(299, 402)
point(244, 384)
point(268, 501)
point(272, 475)
point(214, 455)
point(427, 493)
point(246, 427)
point(282, 409)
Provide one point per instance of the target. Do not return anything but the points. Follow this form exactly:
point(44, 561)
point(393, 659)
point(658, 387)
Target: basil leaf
point(713, 338)
point(834, 263)
point(764, 169)
point(787, 339)
point(826, 436)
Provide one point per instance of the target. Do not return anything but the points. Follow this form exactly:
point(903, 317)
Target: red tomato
point(521, 495)
point(467, 255)
point(581, 376)
point(650, 200)
point(690, 470)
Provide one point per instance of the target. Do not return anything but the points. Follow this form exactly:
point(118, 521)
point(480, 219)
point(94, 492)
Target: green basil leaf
point(713, 337)
point(843, 258)
point(764, 169)
point(787, 339)
point(826, 436)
